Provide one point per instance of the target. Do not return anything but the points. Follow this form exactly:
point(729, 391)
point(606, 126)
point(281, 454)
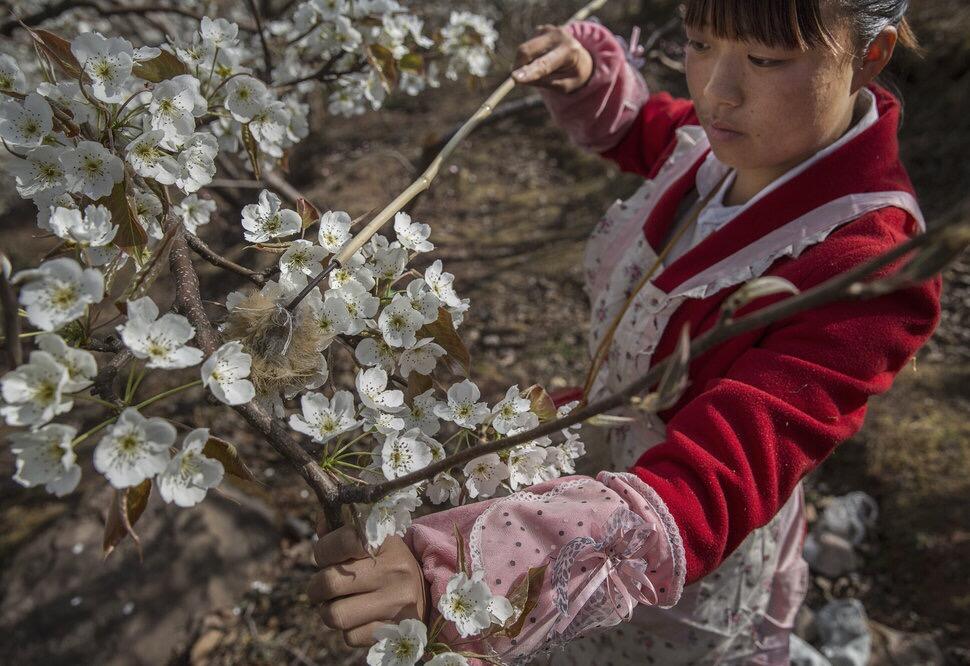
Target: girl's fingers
point(340, 580)
point(358, 610)
point(543, 67)
point(362, 636)
point(535, 47)
point(338, 546)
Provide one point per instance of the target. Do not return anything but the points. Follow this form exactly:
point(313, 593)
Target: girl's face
point(768, 109)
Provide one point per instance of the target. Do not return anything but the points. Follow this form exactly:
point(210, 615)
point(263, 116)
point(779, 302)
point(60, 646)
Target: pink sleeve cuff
point(598, 115)
point(609, 544)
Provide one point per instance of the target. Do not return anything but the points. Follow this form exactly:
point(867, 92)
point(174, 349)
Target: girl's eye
point(700, 47)
point(764, 62)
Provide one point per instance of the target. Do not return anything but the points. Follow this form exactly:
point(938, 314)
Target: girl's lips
point(720, 133)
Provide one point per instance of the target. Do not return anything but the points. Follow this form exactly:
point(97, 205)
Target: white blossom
point(225, 373)
point(561, 458)
point(440, 284)
point(219, 32)
point(197, 162)
point(422, 357)
point(245, 97)
point(421, 414)
point(91, 170)
point(46, 456)
point(340, 34)
point(444, 488)
point(465, 603)
point(412, 235)
point(483, 474)
point(324, 418)
point(506, 415)
point(353, 270)
point(525, 465)
point(150, 160)
point(403, 453)
point(348, 97)
point(463, 407)
point(80, 364)
point(382, 422)
point(390, 516)
point(267, 220)
point(134, 448)
point(400, 645)
point(303, 258)
point(160, 340)
point(399, 322)
point(269, 127)
point(93, 230)
point(34, 392)
point(11, 78)
point(334, 230)
point(330, 315)
point(361, 304)
point(389, 259)
point(58, 292)
point(194, 212)
point(40, 171)
point(375, 351)
point(190, 473)
point(469, 39)
point(424, 300)
point(25, 123)
point(175, 104)
point(372, 389)
point(448, 659)
point(107, 62)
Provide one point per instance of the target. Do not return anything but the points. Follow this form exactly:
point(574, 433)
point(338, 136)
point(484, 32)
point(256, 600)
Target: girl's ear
point(875, 58)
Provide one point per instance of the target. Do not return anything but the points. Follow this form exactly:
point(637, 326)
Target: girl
point(784, 162)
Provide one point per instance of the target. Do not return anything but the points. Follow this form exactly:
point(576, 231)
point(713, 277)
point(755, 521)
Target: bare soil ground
point(510, 218)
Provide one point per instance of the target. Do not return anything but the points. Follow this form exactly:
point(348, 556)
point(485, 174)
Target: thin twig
point(267, 56)
point(200, 247)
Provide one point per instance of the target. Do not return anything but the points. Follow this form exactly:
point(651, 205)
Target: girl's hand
point(553, 59)
point(358, 593)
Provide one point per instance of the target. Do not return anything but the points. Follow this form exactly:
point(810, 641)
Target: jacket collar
point(868, 163)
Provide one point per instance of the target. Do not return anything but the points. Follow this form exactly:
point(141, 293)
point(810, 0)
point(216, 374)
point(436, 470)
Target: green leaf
point(130, 232)
point(58, 50)
point(125, 510)
point(444, 333)
point(413, 62)
point(252, 149)
point(163, 66)
point(228, 455)
point(542, 404)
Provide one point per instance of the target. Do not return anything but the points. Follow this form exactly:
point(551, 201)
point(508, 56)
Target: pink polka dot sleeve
point(599, 114)
point(608, 544)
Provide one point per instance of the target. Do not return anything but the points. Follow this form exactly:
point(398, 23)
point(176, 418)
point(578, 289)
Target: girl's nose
point(724, 84)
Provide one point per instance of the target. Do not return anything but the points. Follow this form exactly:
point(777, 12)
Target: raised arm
point(614, 113)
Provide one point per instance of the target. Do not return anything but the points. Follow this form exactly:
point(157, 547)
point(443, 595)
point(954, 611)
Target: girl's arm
point(732, 457)
point(614, 114)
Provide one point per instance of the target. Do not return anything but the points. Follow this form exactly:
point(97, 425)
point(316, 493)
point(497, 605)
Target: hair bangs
point(790, 24)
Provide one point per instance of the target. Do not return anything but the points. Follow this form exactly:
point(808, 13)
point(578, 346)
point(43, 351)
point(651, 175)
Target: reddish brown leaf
point(308, 213)
point(126, 508)
point(130, 232)
point(524, 595)
point(542, 404)
point(228, 455)
point(383, 61)
point(444, 333)
point(58, 50)
point(161, 67)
